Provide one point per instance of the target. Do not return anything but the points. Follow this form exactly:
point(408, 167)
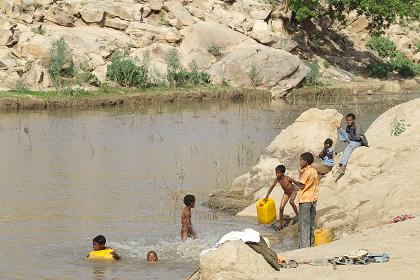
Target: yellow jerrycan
point(101, 255)
point(266, 211)
point(322, 236)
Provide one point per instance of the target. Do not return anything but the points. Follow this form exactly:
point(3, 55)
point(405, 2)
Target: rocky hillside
point(379, 182)
point(242, 43)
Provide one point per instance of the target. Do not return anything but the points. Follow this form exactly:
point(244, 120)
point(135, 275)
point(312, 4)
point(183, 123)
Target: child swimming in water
point(187, 230)
point(98, 244)
point(152, 256)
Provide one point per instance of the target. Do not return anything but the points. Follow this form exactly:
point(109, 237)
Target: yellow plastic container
point(101, 255)
point(266, 211)
point(322, 236)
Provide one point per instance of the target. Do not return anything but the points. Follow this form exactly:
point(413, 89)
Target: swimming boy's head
point(306, 159)
point(280, 170)
point(189, 200)
point(350, 118)
point(328, 142)
point(152, 256)
point(98, 243)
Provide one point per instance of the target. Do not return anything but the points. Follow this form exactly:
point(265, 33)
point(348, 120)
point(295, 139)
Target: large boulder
point(255, 9)
point(257, 65)
point(181, 14)
point(60, 14)
point(200, 36)
point(306, 134)
point(92, 13)
point(157, 53)
point(162, 33)
point(235, 260)
point(380, 180)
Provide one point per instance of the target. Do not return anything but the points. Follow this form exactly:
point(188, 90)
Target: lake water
point(67, 176)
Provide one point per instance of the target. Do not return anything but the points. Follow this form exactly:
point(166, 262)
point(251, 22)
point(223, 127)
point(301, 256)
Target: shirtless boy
point(289, 193)
point(187, 230)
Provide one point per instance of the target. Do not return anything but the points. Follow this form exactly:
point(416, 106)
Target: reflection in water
point(68, 176)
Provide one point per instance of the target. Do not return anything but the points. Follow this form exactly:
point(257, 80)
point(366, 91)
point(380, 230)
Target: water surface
point(67, 176)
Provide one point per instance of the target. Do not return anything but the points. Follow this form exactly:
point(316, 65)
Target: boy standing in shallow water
point(288, 196)
point(187, 230)
point(308, 196)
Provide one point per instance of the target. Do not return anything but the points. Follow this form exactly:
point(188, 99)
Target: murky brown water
point(68, 176)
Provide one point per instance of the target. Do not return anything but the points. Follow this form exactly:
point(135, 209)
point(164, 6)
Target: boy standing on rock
point(288, 196)
point(308, 196)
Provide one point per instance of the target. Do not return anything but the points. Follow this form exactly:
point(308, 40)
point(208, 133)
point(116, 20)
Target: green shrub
point(313, 76)
point(417, 47)
point(61, 61)
point(214, 50)
point(383, 46)
point(398, 127)
point(21, 87)
point(255, 76)
point(127, 73)
point(178, 76)
point(405, 68)
point(38, 30)
point(173, 64)
point(380, 70)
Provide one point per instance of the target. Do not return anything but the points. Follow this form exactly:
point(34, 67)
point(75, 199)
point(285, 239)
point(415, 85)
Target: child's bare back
point(286, 185)
point(187, 230)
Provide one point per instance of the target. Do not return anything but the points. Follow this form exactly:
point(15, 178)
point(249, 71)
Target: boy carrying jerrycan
point(267, 204)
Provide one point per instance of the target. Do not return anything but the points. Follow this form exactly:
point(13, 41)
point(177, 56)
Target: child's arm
point(116, 256)
point(322, 153)
point(296, 183)
point(270, 190)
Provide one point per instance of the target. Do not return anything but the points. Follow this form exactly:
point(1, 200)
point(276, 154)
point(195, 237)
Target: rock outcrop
point(380, 181)
point(260, 66)
point(235, 260)
point(94, 31)
point(306, 134)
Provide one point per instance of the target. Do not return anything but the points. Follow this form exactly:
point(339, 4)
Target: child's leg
point(347, 152)
point(304, 225)
point(312, 227)
point(284, 200)
point(292, 203)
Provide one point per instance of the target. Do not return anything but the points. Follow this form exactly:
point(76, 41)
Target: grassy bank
point(111, 97)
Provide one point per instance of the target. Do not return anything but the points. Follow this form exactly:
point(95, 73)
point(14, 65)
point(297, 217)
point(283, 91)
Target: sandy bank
point(401, 241)
point(51, 100)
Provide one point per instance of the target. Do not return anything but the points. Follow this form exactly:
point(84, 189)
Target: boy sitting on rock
point(327, 156)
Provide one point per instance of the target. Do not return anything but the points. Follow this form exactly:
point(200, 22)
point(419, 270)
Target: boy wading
point(308, 196)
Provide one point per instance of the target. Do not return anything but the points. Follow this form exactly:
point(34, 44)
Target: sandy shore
point(401, 241)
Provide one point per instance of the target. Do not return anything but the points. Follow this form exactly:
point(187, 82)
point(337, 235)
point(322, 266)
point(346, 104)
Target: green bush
point(380, 70)
point(178, 76)
point(127, 73)
point(38, 30)
point(214, 50)
point(405, 68)
point(313, 76)
point(383, 46)
point(61, 61)
point(255, 76)
point(417, 47)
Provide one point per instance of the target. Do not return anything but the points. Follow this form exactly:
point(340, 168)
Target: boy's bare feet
point(279, 228)
point(295, 220)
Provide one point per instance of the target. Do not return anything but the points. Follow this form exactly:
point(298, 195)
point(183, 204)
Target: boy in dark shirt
point(352, 139)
